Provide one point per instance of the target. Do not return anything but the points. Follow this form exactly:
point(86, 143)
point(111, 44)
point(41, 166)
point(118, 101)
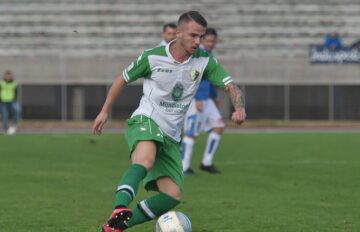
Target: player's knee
point(169, 187)
point(218, 130)
point(189, 133)
point(148, 163)
point(144, 154)
point(189, 137)
point(176, 194)
point(145, 160)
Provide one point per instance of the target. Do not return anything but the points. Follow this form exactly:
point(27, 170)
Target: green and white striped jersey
point(169, 86)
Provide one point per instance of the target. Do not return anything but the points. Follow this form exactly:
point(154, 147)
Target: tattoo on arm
point(236, 95)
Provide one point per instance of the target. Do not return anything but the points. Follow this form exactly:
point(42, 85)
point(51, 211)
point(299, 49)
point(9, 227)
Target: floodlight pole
point(286, 102)
point(63, 89)
point(331, 102)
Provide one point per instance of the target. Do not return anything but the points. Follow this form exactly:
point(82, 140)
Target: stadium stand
point(275, 27)
point(67, 48)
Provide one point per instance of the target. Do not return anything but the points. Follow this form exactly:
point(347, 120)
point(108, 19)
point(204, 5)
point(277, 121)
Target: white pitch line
point(294, 162)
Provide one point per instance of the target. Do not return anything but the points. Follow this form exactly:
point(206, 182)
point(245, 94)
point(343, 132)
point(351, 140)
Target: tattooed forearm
point(236, 96)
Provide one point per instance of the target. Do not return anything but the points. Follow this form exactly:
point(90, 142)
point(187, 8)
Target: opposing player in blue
point(203, 116)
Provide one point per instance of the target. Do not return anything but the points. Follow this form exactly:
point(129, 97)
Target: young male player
point(203, 115)
point(172, 74)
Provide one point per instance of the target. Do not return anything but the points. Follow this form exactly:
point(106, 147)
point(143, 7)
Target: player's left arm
point(237, 99)
point(217, 75)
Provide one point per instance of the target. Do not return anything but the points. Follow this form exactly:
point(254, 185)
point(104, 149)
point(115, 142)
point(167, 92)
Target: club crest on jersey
point(194, 75)
point(177, 91)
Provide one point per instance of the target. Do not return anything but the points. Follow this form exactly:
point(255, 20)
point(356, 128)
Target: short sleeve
point(216, 74)
point(138, 68)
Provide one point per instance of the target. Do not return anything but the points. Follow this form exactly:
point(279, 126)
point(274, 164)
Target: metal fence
point(288, 88)
point(287, 102)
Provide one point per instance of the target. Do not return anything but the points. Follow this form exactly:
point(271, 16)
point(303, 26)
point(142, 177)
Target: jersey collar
point(167, 49)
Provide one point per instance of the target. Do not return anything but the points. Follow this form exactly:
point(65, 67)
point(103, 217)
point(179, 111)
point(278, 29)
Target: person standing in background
point(332, 41)
point(8, 102)
point(168, 33)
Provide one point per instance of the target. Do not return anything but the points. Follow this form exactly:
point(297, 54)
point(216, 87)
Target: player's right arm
point(138, 68)
point(114, 91)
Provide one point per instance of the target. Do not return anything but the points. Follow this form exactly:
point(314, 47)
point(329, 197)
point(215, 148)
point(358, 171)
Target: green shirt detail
point(8, 91)
point(216, 74)
point(141, 67)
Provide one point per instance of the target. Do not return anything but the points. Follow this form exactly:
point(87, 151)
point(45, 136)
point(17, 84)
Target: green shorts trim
point(168, 156)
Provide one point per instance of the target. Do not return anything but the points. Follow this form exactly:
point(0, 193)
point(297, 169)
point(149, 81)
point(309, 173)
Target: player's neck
point(178, 52)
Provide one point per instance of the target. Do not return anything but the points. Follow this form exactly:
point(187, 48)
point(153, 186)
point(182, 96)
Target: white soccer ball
point(173, 222)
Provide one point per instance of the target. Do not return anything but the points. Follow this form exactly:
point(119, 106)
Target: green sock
point(151, 208)
point(128, 186)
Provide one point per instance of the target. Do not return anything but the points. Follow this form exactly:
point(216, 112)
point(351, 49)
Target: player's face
point(209, 42)
point(189, 35)
point(169, 34)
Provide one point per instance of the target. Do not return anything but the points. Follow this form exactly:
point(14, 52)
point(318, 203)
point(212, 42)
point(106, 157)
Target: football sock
point(128, 186)
point(211, 146)
point(187, 150)
point(151, 208)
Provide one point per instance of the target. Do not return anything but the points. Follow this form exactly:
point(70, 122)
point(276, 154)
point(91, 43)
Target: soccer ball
point(173, 222)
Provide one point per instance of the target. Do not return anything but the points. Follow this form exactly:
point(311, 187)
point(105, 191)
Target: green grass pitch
point(270, 182)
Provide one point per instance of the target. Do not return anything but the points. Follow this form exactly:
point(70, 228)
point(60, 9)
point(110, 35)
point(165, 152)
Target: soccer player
point(168, 33)
point(172, 75)
point(203, 115)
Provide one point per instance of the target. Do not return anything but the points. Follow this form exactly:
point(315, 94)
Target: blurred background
point(66, 53)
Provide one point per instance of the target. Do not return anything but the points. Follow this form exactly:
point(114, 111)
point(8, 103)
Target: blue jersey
point(205, 91)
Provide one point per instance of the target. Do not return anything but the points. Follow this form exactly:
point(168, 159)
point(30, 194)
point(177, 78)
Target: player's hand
point(99, 122)
point(199, 106)
point(239, 116)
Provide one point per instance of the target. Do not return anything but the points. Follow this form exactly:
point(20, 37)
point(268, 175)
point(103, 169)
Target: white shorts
point(198, 122)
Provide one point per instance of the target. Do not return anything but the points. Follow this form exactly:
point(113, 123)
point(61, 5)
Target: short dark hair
point(210, 31)
point(171, 25)
point(8, 72)
point(192, 16)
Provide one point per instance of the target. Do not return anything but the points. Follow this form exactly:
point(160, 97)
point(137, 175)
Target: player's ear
point(179, 30)
point(178, 33)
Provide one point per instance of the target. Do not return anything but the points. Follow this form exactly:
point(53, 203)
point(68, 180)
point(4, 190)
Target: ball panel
point(173, 222)
point(185, 221)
